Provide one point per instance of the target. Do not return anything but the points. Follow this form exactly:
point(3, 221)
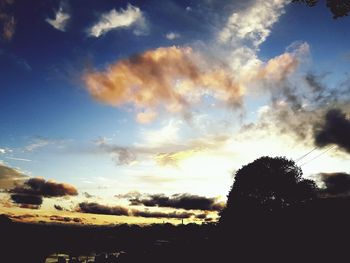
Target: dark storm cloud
point(174, 214)
point(298, 108)
point(334, 130)
point(27, 201)
point(95, 208)
point(336, 183)
point(30, 193)
point(41, 187)
point(181, 201)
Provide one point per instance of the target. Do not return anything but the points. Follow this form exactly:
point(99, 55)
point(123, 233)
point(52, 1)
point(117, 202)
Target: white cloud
point(252, 24)
point(169, 133)
point(61, 19)
point(243, 33)
point(5, 150)
point(172, 35)
point(124, 18)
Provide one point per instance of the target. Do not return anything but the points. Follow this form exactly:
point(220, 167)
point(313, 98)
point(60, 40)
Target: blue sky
point(227, 69)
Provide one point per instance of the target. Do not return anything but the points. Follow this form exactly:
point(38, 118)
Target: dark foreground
point(315, 231)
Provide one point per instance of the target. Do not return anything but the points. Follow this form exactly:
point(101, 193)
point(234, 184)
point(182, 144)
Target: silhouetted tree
point(264, 186)
point(339, 8)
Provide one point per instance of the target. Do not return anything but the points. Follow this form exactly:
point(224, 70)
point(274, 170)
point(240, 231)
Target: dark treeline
point(272, 215)
point(24, 242)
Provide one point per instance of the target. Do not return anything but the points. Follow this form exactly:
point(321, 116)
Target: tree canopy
point(267, 185)
point(339, 8)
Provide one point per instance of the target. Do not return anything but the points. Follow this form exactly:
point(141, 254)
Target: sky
point(142, 111)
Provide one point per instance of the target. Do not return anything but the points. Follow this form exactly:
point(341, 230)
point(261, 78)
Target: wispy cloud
point(36, 144)
point(61, 18)
point(132, 16)
point(162, 146)
point(39, 142)
point(18, 159)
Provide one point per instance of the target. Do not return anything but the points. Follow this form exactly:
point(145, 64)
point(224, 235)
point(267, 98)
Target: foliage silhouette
point(267, 185)
point(339, 8)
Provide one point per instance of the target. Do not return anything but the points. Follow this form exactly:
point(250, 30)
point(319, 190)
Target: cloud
point(174, 214)
point(172, 35)
point(7, 20)
point(65, 219)
point(155, 180)
point(120, 154)
point(252, 24)
point(124, 18)
point(202, 216)
point(27, 200)
point(87, 195)
point(23, 217)
point(41, 187)
point(10, 177)
point(18, 159)
point(162, 146)
point(129, 195)
point(146, 116)
point(61, 19)
point(37, 143)
point(164, 77)
point(58, 207)
point(180, 201)
point(95, 208)
point(30, 193)
point(175, 79)
point(299, 108)
point(334, 130)
point(335, 183)
point(173, 158)
point(10, 59)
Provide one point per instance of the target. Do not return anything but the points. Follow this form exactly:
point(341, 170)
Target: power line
point(303, 156)
point(322, 153)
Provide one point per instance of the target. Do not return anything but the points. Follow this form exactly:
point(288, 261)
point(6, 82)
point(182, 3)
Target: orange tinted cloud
point(278, 68)
point(176, 78)
point(170, 78)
